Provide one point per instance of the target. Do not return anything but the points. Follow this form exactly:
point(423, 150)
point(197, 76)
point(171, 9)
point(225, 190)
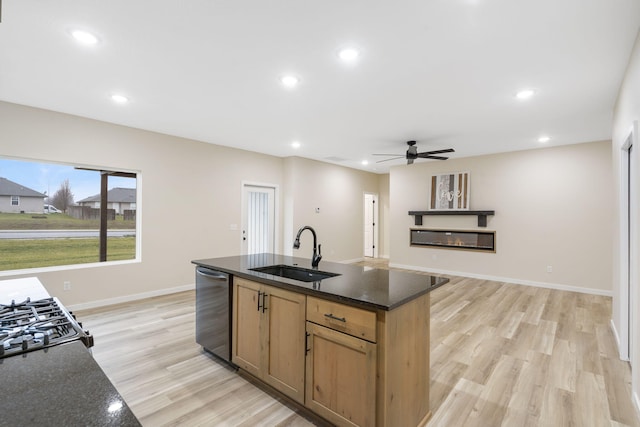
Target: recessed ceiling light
point(295, 144)
point(365, 162)
point(525, 94)
point(84, 37)
point(349, 54)
point(120, 99)
point(544, 139)
point(290, 81)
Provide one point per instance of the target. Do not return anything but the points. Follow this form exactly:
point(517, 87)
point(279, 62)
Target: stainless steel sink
point(295, 273)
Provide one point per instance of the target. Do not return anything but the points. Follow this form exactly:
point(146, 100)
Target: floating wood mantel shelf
point(482, 215)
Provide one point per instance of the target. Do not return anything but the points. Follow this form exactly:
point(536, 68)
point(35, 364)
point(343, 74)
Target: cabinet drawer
point(350, 320)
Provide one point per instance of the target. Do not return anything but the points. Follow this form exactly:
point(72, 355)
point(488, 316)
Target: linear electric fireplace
point(483, 241)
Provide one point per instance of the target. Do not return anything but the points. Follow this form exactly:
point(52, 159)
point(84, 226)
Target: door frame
point(376, 222)
point(628, 292)
point(276, 212)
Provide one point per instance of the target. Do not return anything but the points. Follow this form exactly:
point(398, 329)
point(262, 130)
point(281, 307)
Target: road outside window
point(50, 215)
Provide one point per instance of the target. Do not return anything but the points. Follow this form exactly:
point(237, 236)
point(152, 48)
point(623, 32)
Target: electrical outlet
point(66, 286)
point(549, 269)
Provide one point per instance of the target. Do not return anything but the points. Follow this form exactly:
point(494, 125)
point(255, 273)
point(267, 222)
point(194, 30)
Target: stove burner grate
point(32, 325)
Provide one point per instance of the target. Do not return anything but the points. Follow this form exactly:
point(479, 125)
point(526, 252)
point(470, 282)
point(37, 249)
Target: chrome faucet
point(317, 255)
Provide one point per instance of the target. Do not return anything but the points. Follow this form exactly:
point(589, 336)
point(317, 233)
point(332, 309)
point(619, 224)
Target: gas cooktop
point(35, 325)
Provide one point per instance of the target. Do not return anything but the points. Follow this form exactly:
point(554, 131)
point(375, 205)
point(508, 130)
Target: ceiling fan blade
point(447, 150)
point(426, 156)
point(394, 158)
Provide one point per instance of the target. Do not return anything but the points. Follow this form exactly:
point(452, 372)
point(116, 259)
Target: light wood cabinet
point(362, 367)
point(268, 335)
point(341, 377)
point(344, 318)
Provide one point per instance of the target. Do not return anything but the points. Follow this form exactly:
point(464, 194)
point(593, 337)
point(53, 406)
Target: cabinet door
point(284, 365)
point(340, 377)
point(246, 336)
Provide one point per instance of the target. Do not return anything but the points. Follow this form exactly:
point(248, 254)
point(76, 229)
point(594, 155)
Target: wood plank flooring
point(501, 355)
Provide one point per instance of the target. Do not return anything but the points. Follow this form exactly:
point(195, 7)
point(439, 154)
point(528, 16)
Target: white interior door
point(628, 253)
point(258, 219)
point(370, 225)
point(632, 278)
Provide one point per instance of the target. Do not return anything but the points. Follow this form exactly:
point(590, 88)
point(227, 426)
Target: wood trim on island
point(403, 364)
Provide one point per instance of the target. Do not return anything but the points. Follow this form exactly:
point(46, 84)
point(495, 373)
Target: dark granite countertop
point(60, 386)
point(362, 286)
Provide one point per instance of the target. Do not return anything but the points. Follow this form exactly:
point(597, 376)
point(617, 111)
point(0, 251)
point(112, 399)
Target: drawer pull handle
point(331, 316)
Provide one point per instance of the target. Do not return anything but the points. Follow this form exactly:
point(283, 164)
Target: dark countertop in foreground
point(59, 386)
point(362, 286)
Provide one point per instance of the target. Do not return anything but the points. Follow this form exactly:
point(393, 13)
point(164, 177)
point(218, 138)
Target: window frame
point(123, 172)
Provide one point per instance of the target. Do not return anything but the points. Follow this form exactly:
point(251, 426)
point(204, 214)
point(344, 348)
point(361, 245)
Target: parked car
point(51, 209)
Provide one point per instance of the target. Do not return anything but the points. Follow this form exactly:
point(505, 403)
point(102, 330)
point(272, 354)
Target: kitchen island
point(352, 348)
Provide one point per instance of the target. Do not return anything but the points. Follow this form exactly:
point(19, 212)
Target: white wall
point(553, 208)
point(384, 211)
point(338, 192)
point(204, 181)
point(626, 117)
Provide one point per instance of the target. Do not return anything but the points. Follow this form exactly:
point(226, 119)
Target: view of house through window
point(52, 215)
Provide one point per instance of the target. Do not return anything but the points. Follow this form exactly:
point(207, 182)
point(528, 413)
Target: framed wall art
point(450, 192)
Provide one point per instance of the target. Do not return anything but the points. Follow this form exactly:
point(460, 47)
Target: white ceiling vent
point(335, 159)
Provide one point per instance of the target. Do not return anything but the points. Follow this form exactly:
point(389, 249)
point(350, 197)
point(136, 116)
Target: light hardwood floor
point(501, 355)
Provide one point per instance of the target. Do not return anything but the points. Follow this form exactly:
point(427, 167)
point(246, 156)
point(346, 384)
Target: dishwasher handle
point(211, 274)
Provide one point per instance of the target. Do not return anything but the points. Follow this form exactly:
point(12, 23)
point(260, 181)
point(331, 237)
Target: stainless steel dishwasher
point(213, 314)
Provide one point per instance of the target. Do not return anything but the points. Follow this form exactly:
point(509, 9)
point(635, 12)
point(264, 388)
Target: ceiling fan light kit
point(412, 154)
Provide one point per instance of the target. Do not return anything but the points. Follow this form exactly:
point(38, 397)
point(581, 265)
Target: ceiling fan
point(412, 154)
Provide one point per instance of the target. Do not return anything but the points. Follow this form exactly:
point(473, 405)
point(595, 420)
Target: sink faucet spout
point(317, 250)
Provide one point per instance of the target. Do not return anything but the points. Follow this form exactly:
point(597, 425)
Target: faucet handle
point(317, 257)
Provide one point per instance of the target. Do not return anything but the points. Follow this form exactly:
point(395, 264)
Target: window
point(67, 198)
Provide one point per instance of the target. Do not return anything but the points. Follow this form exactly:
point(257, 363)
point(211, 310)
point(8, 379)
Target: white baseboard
point(351, 261)
point(557, 286)
point(612, 325)
point(129, 298)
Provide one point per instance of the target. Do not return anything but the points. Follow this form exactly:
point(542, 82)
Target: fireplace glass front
point(484, 241)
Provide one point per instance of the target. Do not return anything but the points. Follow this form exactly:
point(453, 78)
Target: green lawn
point(26, 221)
point(19, 254)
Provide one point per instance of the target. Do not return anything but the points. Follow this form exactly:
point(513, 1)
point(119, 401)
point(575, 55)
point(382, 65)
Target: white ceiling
point(443, 72)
